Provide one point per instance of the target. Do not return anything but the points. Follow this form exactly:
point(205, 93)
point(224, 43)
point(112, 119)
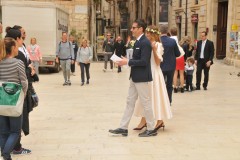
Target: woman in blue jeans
point(13, 70)
point(84, 57)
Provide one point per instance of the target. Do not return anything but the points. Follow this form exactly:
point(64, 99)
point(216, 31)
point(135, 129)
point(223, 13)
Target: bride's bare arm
point(157, 59)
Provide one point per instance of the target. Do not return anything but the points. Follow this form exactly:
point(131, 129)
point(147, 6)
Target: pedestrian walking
point(35, 54)
point(160, 101)
point(108, 47)
point(140, 76)
point(65, 55)
point(203, 59)
point(84, 57)
point(119, 49)
point(75, 49)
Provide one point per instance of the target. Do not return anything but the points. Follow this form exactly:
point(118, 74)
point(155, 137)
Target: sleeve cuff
point(128, 63)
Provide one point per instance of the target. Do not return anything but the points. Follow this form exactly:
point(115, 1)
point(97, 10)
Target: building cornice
point(178, 10)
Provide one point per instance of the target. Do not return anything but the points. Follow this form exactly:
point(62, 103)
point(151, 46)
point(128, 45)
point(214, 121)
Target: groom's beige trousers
point(141, 90)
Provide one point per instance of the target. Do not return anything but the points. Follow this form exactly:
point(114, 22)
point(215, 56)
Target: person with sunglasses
point(140, 76)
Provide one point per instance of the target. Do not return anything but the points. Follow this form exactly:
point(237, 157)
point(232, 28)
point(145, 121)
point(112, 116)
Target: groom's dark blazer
point(140, 63)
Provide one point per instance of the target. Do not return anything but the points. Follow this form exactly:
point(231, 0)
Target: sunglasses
point(135, 27)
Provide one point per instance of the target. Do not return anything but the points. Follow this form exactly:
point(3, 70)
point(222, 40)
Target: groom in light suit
point(140, 76)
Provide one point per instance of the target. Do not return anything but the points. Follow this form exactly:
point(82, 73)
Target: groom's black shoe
point(121, 131)
point(205, 87)
point(148, 133)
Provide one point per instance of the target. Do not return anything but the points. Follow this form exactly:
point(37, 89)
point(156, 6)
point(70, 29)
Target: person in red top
point(180, 64)
point(35, 54)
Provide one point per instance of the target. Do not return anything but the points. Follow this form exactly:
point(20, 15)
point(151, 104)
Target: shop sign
point(234, 27)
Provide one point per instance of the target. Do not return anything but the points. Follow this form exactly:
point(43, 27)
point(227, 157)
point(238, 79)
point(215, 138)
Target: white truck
point(43, 20)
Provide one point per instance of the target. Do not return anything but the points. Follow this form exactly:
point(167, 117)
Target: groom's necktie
point(136, 42)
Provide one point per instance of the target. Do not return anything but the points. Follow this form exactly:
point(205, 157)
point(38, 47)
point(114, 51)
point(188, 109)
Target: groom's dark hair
point(141, 23)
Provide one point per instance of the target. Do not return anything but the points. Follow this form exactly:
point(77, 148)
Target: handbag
point(35, 78)
point(11, 99)
point(35, 99)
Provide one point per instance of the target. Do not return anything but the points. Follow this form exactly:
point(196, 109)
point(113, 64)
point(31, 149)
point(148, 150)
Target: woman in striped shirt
point(12, 70)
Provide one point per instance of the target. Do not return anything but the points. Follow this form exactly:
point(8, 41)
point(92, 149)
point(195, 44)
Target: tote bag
point(11, 99)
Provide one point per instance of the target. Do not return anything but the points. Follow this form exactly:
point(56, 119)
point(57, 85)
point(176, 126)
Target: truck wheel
point(56, 69)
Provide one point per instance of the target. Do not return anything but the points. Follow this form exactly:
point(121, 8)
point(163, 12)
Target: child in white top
point(189, 69)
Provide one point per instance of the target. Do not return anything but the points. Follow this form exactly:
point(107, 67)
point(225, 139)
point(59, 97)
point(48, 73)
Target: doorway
point(222, 29)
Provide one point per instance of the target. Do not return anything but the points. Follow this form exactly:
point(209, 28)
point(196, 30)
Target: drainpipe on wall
point(186, 20)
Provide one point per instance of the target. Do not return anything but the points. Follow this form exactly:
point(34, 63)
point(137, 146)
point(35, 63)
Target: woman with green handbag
point(11, 70)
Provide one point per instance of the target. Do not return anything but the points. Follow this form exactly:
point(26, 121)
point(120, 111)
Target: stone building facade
point(191, 17)
point(120, 14)
point(217, 17)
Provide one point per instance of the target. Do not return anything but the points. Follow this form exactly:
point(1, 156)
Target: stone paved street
point(72, 122)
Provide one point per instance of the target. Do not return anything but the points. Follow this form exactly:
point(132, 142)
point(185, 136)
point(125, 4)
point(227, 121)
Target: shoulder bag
point(11, 99)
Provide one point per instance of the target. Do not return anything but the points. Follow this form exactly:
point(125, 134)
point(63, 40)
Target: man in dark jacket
point(75, 49)
point(204, 59)
point(108, 46)
point(120, 49)
point(23, 55)
point(170, 53)
point(140, 76)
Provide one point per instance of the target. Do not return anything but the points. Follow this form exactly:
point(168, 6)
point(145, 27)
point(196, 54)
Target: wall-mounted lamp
point(193, 11)
point(98, 12)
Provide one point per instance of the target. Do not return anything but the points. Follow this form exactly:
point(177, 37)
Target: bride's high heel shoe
point(160, 126)
point(140, 128)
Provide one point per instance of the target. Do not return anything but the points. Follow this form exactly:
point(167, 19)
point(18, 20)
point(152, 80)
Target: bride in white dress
point(160, 100)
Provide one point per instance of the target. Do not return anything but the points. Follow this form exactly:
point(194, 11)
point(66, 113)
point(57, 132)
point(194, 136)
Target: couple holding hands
point(147, 94)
